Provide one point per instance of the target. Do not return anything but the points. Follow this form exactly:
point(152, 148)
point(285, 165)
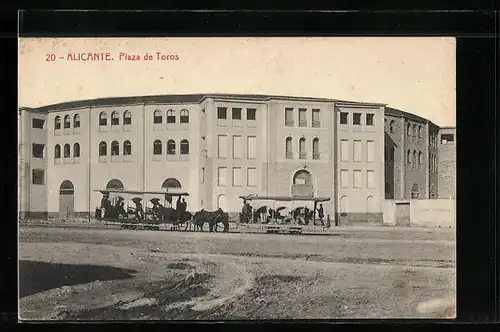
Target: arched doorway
point(222, 202)
point(370, 208)
point(344, 208)
point(302, 184)
point(415, 192)
point(67, 200)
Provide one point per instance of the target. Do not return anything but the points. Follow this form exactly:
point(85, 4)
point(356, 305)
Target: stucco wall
point(424, 212)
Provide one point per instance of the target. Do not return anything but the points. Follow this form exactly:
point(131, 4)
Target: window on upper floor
point(184, 116)
point(391, 126)
point(315, 148)
point(127, 118)
point(370, 151)
point(103, 119)
point(420, 159)
point(222, 113)
point(170, 146)
point(356, 118)
point(344, 150)
point(184, 146)
point(115, 148)
point(37, 123)
point(370, 179)
point(37, 150)
point(357, 178)
point(103, 149)
point(289, 117)
point(38, 176)
point(157, 147)
point(57, 151)
point(302, 117)
point(115, 118)
point(302, 148)
point(222, 147)
point(419, 131)
point(222, 176)
point(370, 119)
point(408, 157)
point(357, 150)
point(67, 151)
point(344, 178)
point(251, 114)
point(236, 113)
point(288, 148)
point(238, 148)
point(76, 121)
point(67, 122)
point(414, 131)
point(344, 118)
point(157, 116)
point(238, 177)
point(76, 150)
point(170, 116)
point(252, 177)
point(127, 148)
point(316, 120)
point(251, 147)
point(408, 129)
point(57, 122)
point(447, 138)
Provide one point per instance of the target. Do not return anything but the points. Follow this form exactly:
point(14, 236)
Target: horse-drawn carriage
point(287, 216)
point(153, 210)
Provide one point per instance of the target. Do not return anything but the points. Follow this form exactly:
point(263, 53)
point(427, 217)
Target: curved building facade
point(219, 146)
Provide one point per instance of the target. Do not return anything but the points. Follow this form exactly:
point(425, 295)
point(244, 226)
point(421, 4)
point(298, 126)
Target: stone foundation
point(345, 219)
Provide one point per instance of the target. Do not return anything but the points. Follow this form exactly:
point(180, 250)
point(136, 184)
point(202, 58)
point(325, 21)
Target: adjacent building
point(217, 147)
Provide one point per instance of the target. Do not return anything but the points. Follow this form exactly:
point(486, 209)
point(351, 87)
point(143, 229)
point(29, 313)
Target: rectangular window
point(251, 114)
point(38, 176)
point(252, 147)
point(237, 147)
point(252, 177)
point(289, 117)
point(222, 113)
point(344, 178)
point(202, 175)
point(445, 138)
point(157, 117)
point(237, 177)
point(302, 117)
point(369, 119)
point(358, 151)
point(236, 113)
point(38, 150)
point(358, 180)
point(370, 179)
point(38, 123)
point(344, 117)
point(222, 147)
point(356, 118)
point(170, 116)
point(370, 151)
point(222, 176)
point(316, 122)
point(344, 150)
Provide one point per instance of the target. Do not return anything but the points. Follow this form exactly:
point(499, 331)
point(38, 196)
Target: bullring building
point(218, 147)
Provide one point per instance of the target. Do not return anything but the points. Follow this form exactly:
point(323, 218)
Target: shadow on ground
point(35, 277)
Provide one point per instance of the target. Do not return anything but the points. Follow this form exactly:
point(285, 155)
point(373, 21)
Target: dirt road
point(114, 274)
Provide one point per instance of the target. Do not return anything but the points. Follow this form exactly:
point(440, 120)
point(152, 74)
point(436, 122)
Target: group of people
point(180, 208)
point(247, 213)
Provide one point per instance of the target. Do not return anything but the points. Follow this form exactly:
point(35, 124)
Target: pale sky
point(414, 74)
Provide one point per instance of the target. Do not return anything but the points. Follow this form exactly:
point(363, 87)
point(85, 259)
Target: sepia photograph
point(237, 178)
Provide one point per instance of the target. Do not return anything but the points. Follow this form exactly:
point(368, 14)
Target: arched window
point(57, 151)
point(170, 116)
point(76, 150)
point(415, 162)
point(103, 119)
point(115, 118)
point(171, 183)
point(344, 204)
point(157, 117)
point(391, 126)
point(222, 202)
point(415, 193)
point(302, 148)
point(184, 116)
point(391, 154)
point(420, 159)
point(316, 148)
point(103, 149)
point(408, 129)
point(76, 121)
point(66, 188)
point(302, 177)
point(67, 151)
point(127, 148)
point(114, 184)
point(115, 148)
point(67, 122)
point(170, 146)
point(127, 118)
point(288, 148)
point(57, 122)
point(408, 157)
point(414, 132)
point(419, 131)
point(157, 147)
point(184, 146)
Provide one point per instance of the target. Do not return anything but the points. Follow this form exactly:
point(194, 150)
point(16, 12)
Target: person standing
point(321, 213)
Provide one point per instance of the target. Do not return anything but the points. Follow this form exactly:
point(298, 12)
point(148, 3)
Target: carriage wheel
point(188, 224)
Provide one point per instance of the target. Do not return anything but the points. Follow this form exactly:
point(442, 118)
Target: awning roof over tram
point(140, 193)
point(285, 198)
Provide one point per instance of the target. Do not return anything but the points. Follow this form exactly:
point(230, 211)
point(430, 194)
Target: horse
point(212, 218)
point(170, 215)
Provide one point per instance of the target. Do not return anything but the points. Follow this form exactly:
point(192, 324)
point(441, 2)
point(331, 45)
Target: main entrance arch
point(171, 183)
point(67, 200)
point(115, 184)
point(302, 184)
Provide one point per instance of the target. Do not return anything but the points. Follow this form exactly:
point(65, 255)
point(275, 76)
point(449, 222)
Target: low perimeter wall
point(423, 212)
